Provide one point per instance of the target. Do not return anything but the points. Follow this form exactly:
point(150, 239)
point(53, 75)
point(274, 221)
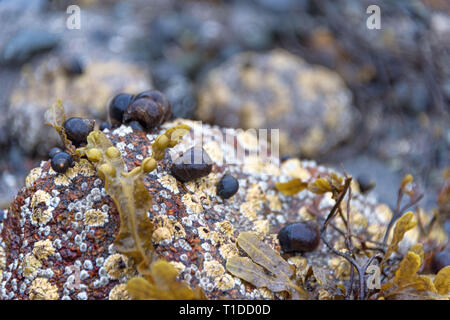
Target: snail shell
point(61, 161)
point(160, 98)
point(227, 186)
point(147, 112)
point(194, 163)
point(77, 130)
point(299, 236)
point(117, 107)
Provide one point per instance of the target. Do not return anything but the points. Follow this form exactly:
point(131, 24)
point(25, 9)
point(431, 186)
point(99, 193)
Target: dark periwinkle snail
point(147, 112)
point(194, 163)
point(136, 126)
point(299, 237)
point(77, 130)
point(105, 125)
point(227, 186)
point(61, 161)
point(54, 151)
point(117, 107)
point(160, 98)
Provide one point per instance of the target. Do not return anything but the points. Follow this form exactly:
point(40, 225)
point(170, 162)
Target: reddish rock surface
point(57, 238)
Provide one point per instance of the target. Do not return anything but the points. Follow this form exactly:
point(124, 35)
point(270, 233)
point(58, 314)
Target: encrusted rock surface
point(84, 95)
point(310, 104)
point(57, 238)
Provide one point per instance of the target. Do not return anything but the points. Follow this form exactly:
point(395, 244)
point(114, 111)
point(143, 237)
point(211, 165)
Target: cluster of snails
point(143, 111)
point(76, 130)
point(148, 110)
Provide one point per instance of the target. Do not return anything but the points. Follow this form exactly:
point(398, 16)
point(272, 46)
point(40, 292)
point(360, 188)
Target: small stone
point(227, 186)
point(194, 163)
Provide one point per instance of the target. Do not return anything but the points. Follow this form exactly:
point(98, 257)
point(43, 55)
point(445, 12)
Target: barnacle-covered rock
point(57, 240)
point(84, 95)
point(310, 105)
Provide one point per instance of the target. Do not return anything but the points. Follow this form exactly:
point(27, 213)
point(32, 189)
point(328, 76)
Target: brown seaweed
point(265, 268)
point(55, 117)
point(161, 284)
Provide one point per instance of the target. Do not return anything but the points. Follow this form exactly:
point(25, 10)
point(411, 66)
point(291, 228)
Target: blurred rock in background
point(84, 95)
point(310, 104)
point(398, 76)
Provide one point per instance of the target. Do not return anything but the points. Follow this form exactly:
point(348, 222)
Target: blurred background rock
point(373, 101)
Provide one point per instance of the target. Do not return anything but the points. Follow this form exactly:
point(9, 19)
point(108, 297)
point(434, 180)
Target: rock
point(284, 5)
point(252, 27)
point(413, 96)
point(26, 44)
point(58, 234)
point(84, 95)
point(182, 96)
point(309, 104)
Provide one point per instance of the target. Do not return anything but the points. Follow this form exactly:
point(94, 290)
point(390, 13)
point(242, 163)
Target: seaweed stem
point(414, 199)
point(349, 257)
